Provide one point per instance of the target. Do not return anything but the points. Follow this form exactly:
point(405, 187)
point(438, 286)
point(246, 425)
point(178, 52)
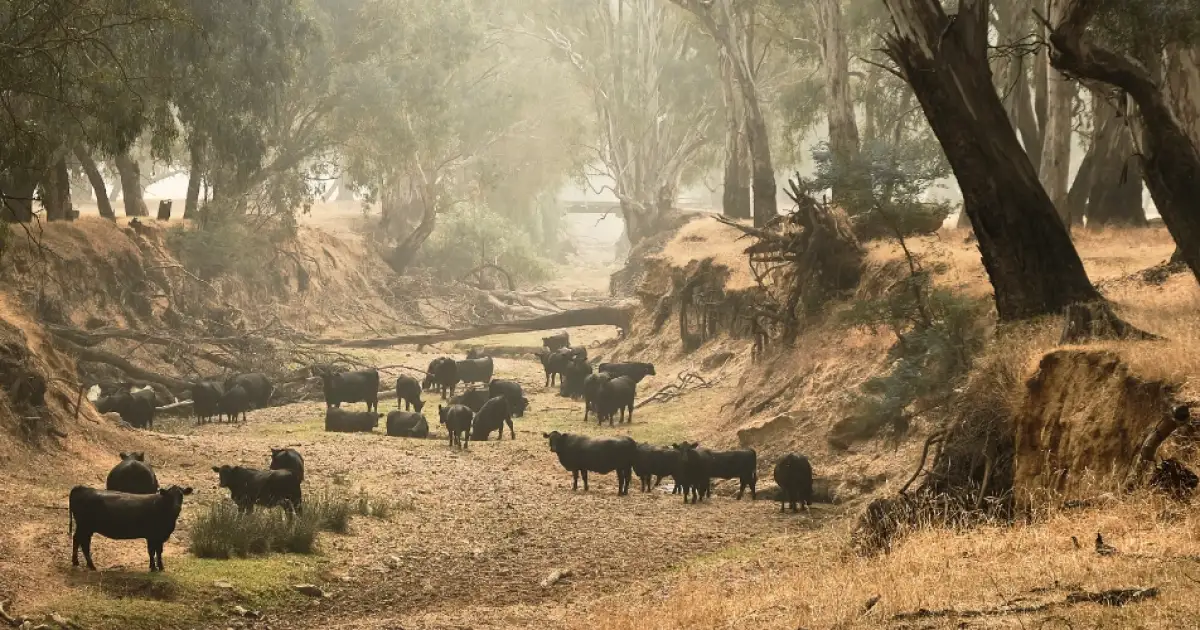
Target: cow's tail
point(70, 521)
point(755, 453)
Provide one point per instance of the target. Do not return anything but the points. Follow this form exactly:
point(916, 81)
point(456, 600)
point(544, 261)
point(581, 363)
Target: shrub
point(938, 334)
point(226, 532)
point(230, 246)
point(474, 236)
point(882, 188)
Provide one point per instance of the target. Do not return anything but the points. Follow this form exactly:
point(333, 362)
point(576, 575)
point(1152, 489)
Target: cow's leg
point(75, 545)
point(150, 549)
point(584, 472)
point(512, 433)
point(741, 489)
point(574, 479)
point(753, 486)
point(85, 543)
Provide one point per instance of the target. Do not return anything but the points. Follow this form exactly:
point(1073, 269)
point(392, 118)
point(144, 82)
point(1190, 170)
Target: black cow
point(457, 419)
point(793, 473)
point(477, 353)
point(475, 370)
point(409, 391)
point(510, 390)
point(558, 340)
point(133, 475)
point(258, 387)
point(430, 382)
point(581, 455)
point(288, 459)
point(492, 416)
point(206, 400)
point(249, 487)
point(445, 376)
point(352, 387)
point(407, 424)
point(235, 402)
point(555, 364)
point(342, 421)
point(739, 464)
point(135, 408)
point(573, 379)
point(592, 386)
point(653, 463)
point(617, 394)
point(121, 516)
point(636, 371)
point(693, 476)
point(473, 399)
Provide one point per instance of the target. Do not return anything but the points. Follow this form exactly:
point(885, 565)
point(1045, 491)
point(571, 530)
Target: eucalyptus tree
point(651, 82)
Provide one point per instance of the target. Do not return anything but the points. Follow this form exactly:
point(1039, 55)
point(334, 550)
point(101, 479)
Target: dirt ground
point(473, 534)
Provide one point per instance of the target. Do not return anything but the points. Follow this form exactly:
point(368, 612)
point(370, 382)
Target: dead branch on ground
point(686, 381)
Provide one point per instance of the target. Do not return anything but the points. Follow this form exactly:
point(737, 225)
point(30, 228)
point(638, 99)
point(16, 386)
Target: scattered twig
point(687, 381)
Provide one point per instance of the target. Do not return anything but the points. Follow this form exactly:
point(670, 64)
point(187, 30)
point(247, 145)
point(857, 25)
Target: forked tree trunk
point(56, 191)
point(1170, 161)
point(735, 199)
point(1056, 150)
point(96, 180)
point(1027, 251)
point(403, 255)
point(131, 186)
point(843, 129)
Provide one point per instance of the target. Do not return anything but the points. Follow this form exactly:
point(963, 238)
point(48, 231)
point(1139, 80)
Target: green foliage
point(882, 188)
point(938, 334)
point(474, 236)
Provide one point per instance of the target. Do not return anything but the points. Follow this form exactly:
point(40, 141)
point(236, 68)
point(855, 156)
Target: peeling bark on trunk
point(402, 256)
point(56, 191)
point(1027, 251)
point(1056, 148)
point(843, 129)
point(96, 180)
point(735, 199)
point(1183, 86)
point(131, 186)
point(1170, 161)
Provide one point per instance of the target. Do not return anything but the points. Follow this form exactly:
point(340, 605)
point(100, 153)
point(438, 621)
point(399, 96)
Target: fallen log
point(100, 356)
point(619, 316)
point(90, 339)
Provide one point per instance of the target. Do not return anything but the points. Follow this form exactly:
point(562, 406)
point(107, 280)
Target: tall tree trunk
point(765, 205)
point(96, 180)
point(735, 199)
point(344, 192)
point(1115, 196)
point(843, 129)
point(56, 189)
point(115, 191)
point(1170, 161)
point(1056, 151)
point(1081, 186)
point(131, 185)
point(191, 203)
point(1026, 249)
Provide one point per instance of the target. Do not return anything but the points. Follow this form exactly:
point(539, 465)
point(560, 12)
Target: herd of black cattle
point(133, 506)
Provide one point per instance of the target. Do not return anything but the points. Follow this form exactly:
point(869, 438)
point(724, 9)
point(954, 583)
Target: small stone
point(222, 584)
point(311, 590)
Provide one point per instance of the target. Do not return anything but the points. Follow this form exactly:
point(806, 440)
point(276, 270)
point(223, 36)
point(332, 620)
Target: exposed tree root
point(1111, 597)
point(1096, 321)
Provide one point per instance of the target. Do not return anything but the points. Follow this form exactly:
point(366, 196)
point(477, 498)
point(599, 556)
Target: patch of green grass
point(656, 424)
point(185, 595)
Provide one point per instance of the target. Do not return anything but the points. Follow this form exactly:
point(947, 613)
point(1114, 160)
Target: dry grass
point(805, 580)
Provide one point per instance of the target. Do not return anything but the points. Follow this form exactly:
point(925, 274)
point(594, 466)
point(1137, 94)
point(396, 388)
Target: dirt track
point(478, 531)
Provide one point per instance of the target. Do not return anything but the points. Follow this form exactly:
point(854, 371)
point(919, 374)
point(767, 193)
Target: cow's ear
point(276, 451)
point(217, 469)
point(123, 455)
point(695, 445)
point(187, 490)
point(140, 456)
point(162, 492)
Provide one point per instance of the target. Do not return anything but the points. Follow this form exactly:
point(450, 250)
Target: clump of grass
point(379, 508)
point(226, 532)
